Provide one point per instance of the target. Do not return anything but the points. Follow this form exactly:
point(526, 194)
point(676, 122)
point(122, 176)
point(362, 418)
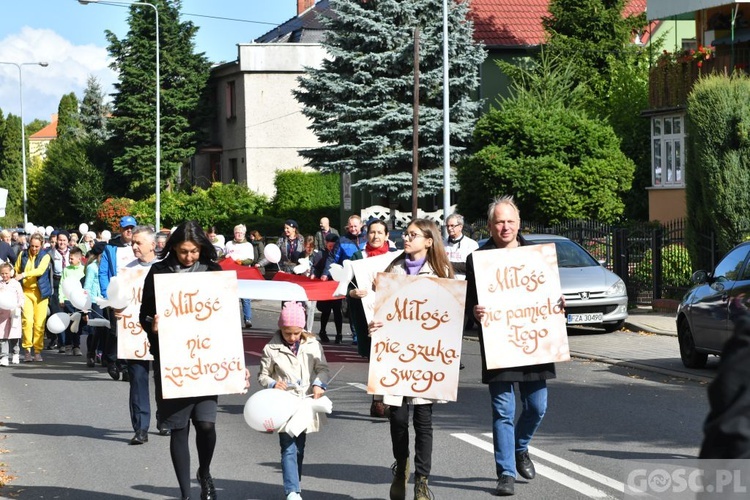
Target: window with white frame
point(668, 151)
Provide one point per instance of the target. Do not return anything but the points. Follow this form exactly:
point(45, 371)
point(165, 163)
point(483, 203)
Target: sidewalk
point(643, 319)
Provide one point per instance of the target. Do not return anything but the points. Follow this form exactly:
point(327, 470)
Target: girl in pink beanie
point(293, 360)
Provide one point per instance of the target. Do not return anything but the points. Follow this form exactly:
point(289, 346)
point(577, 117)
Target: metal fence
point(651, 258)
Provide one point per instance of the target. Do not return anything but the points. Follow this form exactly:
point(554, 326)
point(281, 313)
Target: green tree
point(541, 146)
point(69, 189)
point(68, 123)
point(11, 168)
point(717, 170)
point(94, 111)
point(184, 74)
point(596, 39)
point(35, 126)
point(360, 99)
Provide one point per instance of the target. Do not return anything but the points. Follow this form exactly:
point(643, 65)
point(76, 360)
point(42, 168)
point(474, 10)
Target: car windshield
point(570, 254)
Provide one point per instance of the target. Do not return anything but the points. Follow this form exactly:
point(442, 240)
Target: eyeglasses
point(411, 236)
point(451, 226)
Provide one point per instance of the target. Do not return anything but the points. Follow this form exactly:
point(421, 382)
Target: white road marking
point(548, 472)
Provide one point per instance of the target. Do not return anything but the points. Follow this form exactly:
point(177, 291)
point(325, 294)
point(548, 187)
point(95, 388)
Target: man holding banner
point(137, 358)
point(510, 441)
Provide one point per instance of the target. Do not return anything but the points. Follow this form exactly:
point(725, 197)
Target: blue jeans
point(292, 453)
point(247, 312)
point(140, 403)
point(508, 439)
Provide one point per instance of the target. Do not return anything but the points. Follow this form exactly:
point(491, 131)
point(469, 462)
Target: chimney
point(303, 5)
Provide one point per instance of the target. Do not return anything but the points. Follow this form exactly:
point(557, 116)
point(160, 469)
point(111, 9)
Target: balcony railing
point(670, 84)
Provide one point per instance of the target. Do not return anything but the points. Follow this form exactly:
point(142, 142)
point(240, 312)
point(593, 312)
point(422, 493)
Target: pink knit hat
point(292, 314)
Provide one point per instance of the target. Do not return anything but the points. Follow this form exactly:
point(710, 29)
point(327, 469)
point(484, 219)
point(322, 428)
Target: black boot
point(208, 492)
point(324, 338)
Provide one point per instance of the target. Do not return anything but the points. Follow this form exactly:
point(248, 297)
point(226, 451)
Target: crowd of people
point(34, 269)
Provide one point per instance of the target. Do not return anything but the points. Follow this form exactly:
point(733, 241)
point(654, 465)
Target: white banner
point(200, 337)
point(417, 352)
point(524, 322)
point(132, 341)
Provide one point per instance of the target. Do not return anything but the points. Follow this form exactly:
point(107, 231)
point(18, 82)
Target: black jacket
point(148, 298)
point(517, 374)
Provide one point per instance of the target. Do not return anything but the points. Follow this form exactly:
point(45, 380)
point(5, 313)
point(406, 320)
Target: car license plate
point(578, 319)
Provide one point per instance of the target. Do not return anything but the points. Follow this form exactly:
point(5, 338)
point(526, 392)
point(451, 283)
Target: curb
point(635, 327)
point(640, 366)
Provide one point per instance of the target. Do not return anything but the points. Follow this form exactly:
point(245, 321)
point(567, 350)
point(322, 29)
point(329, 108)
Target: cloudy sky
point(70, 38)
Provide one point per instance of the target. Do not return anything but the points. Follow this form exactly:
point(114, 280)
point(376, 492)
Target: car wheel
point(613, 327)
point(691, 358)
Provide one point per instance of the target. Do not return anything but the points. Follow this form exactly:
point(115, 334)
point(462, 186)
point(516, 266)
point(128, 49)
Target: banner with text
point(132, 341)
point(417, 352)
point(365, 271)
point(524, 322)
point(200, 337)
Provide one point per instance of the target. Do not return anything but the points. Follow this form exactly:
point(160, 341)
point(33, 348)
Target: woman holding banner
point(377, 244)
point(424, 255)
point(187, 250)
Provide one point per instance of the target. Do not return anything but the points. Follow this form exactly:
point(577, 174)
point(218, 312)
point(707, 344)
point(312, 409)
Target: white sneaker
point(4, 361)
point(294, 496)
point(16, 359)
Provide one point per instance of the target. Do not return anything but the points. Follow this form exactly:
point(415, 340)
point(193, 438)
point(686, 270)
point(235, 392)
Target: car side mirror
point(699, 277)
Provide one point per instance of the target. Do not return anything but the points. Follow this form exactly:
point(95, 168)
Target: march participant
point(144, 249)
point(33, 271)
point(293, 360)
point(457, 246)
point(424, 255)
point(511, 441)
point(242, 252)
point(117, 254)
point(188, 250)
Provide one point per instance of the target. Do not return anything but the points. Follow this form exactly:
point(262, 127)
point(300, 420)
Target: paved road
point(65, 428)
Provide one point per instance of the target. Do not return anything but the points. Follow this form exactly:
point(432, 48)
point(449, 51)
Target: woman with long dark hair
point(187, 250)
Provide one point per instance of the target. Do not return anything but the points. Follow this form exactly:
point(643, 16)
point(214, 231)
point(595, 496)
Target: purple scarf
point(413, 266)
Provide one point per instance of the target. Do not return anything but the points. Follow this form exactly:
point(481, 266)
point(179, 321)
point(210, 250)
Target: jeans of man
point(508, 439)
point(292, 453)
point(247, 311)
point(140, 403)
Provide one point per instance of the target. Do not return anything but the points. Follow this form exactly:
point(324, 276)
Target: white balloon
point(8, 301)
point(117, 297)
point(70, 285)
point(58, 322)
point(81, 300)
point(268, 410)
point(75, 322)
point(99, 322)
point(83, 228)
point(106, 235)
point(29, 227)
point(48, 230)
point(272, 253)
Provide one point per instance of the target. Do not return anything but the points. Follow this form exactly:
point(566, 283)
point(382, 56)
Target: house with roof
point(258, 126)
point(723, 26)
point(39, 142)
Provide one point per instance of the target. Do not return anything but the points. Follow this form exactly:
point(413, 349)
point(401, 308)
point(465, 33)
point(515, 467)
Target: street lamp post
point(157, 211)
point(23, 131)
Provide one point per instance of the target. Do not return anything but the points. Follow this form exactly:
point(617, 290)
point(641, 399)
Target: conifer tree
point(11, 167)
point(133, 124)
point(94, 111)
point(360, 99)
point(68, 124)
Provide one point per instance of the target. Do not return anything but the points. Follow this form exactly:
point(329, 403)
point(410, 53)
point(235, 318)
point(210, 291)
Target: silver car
point(594, 295)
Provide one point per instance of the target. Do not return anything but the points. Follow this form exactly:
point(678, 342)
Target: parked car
point(594, 295)
point(705, 317)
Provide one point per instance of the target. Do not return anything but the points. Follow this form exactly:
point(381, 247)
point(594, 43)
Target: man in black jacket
point(510, 440)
